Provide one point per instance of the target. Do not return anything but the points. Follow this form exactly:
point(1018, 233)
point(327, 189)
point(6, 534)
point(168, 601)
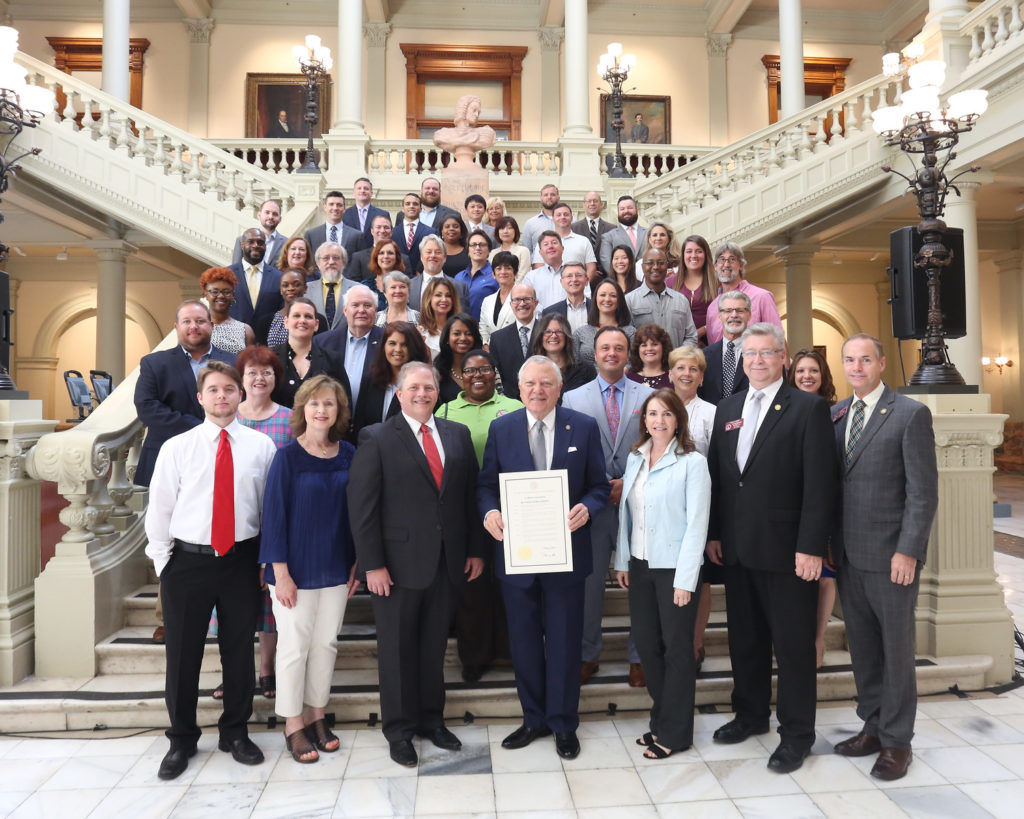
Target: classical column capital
point(199, 29)
point(717, 44)
point(376, 34)
point(796, 254)
point(112, 250)
point(1008, 262)
point(550, 37)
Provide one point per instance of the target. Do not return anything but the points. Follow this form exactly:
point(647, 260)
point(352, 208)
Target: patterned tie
point(254, 284)
point(334, 233)
point(331, 305)
point(433, 456)
point(538, 448)
point(524, 341)
point(593, 234)
point(222, 526)
point(856, 428)
point(749, 429)
point(412, 232)
point(611, 410)
point(729, 369)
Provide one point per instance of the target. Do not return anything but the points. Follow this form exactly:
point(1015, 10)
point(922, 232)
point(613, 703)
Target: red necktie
point(222, 528)
point(433, 456)
point(412, 232)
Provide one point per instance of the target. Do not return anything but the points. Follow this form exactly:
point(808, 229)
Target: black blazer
point(441, 212)
point(783, 501)
point(580, 373)
point(371, 407)
point(711, 389)
point(398, 234)
point(508, 352)
point(562, 307)
point(351, 217)
point(321, 361)
point(400, 519)
point(268, 300)
point(262, 328)
point(165, 399)
point(352, 239)
point(358, 268)
point(335, 341)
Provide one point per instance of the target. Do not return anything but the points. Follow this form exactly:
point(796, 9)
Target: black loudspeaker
point(909, 286)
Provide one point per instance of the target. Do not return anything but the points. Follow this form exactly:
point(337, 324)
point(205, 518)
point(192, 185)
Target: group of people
point(693, 456)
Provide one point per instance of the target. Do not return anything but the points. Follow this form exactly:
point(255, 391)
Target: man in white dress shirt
point(536, 225)
point(575, 248)
point(204, 540)
point(546, 280)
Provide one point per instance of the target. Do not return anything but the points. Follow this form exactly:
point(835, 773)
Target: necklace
point(309, 446)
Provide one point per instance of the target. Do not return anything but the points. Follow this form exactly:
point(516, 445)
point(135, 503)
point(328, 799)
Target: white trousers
point(307, 646)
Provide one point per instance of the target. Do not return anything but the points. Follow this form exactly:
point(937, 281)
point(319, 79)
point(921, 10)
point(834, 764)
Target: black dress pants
point(192, 584)
point(480, 624)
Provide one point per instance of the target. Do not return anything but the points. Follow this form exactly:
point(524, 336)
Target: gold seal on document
point(525, 552)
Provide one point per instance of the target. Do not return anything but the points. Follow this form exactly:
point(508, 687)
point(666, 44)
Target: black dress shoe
point(472, 673)
point(242, 750)
point(566, 744)
point(175, 762)
point(403, 753)
point(442, 738)
point(523, 736)
point(737, 731)
point(787, 758)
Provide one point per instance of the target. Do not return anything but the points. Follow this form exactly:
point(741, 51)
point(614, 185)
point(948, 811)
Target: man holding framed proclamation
point(542, 581)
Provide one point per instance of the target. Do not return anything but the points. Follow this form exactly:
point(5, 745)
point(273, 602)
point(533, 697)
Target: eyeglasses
point(523, 300)
point(478, 246)
point(553, 333)
point(488, 370)
point(730, 310)
point(653, 262)
point(764, 355)
point(727, 260)
point(217, 292)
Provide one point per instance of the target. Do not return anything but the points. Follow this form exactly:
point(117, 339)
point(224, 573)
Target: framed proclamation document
point(535, 509)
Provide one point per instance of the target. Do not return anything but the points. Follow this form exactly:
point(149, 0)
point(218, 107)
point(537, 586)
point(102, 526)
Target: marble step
point(136, 699)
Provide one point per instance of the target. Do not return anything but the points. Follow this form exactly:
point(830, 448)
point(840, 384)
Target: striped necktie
point(856, 428)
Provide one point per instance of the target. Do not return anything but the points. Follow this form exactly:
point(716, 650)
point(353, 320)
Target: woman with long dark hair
point(696, 280)
point(460, 334)
point(400, 342)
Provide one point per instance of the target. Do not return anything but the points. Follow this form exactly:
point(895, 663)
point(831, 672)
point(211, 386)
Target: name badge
point(730, 425)
point(840, 413)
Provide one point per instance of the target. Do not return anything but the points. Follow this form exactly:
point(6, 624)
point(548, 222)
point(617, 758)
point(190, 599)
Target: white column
point(962, 212)
point(376, 36)
point(115, 48)
point(199, 29)
point(1011, 299)
point(551, 100)
point(110, 305)
point(791, 52)
point(718, 88)
point(348, 61)
point(941, 35)
point(799, 327)
point(577, 71)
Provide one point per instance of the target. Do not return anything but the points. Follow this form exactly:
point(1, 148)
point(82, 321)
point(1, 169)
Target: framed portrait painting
point(646, 119)
point(275, 106)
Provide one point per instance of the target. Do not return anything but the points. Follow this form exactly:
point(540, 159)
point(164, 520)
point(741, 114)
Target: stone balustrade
point(991, 26)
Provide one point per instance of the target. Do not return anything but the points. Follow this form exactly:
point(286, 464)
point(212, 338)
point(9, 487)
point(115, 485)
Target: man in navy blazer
point(734, 310)
point(510, 345)
point(165, 394)
point(358, 267)
point(411, 212)
point(334, 229)
point(362, 210)
point(268, 300)
point(545, 610)
point(356, 340)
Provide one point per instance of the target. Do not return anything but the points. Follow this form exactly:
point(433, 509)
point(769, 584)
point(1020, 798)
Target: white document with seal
point(535, 510)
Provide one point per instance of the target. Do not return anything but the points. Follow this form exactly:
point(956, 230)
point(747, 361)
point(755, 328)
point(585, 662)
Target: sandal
point(218, 692)
point(647, 740)
point(655, 751)
point(299, 747)
point(322, 738)
point(268, 685)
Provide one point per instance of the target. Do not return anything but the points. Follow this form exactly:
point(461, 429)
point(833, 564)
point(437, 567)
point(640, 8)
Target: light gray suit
point(605, 527)
point(615, 237)
point(889, 494)
point(315, 293)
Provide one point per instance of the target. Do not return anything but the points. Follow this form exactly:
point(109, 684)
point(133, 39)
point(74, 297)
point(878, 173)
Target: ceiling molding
point(723, 15)
point(820, 26)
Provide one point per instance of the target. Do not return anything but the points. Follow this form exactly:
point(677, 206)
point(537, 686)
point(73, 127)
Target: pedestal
point(346, 158)
point(960, 608)
point(458, 182)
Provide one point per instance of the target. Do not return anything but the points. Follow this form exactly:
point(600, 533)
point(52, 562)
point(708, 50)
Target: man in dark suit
point(165, 394)
point(280, 129)
point(432, 258)
point(575, 306)
point(411, 503)
point(334, 229)
point(592, 226)
point(269, 216)
point(510, 345)
point(258, 291)
point(432, 212)
point(358, 267)
point(545, 610)
point(361, 215)
point(627, 233)
point(410, 232)
point(355, 342)
point(889, 493)
point(723, 373)
point(773, 487)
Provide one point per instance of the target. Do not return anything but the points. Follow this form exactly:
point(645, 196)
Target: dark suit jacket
point(335, 341)
point(561, 307)
point(582, 227)
point(442, 212)
point(268, 300)
point(351, 217)
point(782, 502)
point(275, 131)
point(371, 407)
point(890, 488)
point(398, 234)
point(262, 328)
point(322, 361)
point(416, 291)
point(358, 268)
point(352, 239)
point(400, 519)
point(711, 388)
point(508, 352)
point(165, 399)
point(612, 239)
point(577, 449)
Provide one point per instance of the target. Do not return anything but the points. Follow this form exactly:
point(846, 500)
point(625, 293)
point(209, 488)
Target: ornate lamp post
point(314, 61)
point(920, 125)
point(21, 106)
point(614, 69)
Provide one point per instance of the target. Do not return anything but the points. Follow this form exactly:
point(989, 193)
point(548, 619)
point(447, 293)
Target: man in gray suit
point(628, 232)
point(432, 257)
point(614, 402)
point(334, 230)
point(328, 292)
point(269, 216)
point(886, 449)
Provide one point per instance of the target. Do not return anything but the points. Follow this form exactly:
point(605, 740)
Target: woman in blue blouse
point(309, 558)
point(663, 526)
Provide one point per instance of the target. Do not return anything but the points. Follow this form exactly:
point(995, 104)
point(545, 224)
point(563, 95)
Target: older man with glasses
point(729, 265)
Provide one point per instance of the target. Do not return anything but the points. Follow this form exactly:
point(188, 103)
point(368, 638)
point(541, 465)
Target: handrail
point(990, 25)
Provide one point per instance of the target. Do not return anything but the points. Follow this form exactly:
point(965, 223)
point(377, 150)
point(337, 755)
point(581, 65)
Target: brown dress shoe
point(158, 635)
point(636, 676)
point(860, 745)
point(892, 764)
point(587, 671)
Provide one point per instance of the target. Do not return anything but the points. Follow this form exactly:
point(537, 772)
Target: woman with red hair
point(229, 334)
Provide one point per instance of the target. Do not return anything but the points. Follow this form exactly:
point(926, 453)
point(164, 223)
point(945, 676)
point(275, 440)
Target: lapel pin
point(778, 406)
point(883, 411)
point(568, 427)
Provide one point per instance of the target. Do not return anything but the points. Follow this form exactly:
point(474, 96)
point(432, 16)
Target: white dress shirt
point(768, 395)
point(576, 249)
point(700, 417)
point(181, 491)
point(548, 422)
point(870, 402)
point(417, 430)
point(546, 282)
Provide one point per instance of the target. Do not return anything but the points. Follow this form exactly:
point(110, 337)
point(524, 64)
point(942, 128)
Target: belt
point(209, 551)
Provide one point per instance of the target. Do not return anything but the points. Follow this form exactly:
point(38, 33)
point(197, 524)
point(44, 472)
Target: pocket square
point(572, 449)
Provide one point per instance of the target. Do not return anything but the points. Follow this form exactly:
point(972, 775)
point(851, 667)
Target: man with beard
point(269, 217)
point(724, 374)
point(258, 292)
point(432, 213)
point(327, 293)
point(654, 303)
point(358, 267)
point(729, 264)
point(628, 233)
point(543, 221)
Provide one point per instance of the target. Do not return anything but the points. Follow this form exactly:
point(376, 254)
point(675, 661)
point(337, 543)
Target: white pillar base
point(581, 168)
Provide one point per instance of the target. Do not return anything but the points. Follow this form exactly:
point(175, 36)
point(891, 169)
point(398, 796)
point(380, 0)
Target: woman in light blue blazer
point(663, 526)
